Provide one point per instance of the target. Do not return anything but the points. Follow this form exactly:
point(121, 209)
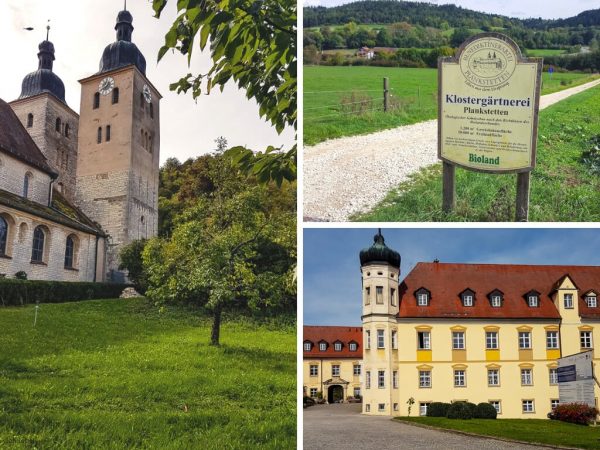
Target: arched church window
point(97, 100)
point(3, 235)
point(29, 120)
point(67, 130)
point(99, 137)
point(37, 252)
point(107, 133)
point(115, 96)
point(26, 184)
point(57, 125)
point(70, 250)
point(151, 110)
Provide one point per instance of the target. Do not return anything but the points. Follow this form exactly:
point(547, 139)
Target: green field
point(544, 51)
point(118, 374)
point(562, 188)
point(536, 431)
point(413, 90)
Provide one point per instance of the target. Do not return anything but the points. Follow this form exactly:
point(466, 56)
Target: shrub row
point(579, 413)
point(15, 292)
point(461, 410)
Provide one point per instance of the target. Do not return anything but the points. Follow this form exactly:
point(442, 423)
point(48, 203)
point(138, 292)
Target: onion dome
point(379, 253)
point(43, 79)
point(123, 52)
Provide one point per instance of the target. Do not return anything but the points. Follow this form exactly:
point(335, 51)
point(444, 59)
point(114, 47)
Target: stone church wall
point(12, 174)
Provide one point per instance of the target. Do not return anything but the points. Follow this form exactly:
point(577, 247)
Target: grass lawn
point(562, 189)
point(118, 374)
point(544, 51)
point(325, 87)
point(537, 431)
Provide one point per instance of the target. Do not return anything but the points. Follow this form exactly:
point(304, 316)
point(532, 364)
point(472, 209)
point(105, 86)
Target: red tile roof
point(446, 281)
point(315, 334)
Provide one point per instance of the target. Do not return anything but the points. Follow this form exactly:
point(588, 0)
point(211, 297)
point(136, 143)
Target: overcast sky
point(81, 29)
point(332, 286)
point(547, 9)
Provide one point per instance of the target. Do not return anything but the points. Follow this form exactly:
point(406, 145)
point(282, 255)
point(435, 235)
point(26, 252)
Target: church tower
point(43, 111)
point(380, 269)
point(119, 146)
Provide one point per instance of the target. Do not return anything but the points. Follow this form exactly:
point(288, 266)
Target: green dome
point(379, 253)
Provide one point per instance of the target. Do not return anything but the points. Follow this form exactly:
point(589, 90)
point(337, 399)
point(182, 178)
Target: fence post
point(386, 94)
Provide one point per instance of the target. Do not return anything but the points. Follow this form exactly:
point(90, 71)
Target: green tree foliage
point(131, 260)
point(251, 42)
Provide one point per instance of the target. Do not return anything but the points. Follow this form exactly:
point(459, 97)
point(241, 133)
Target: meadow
point(120, 374)
point(347, 101)
point(563, 187)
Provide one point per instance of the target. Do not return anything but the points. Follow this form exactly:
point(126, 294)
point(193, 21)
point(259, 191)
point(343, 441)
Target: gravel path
point(351, 174)
point(341, 426)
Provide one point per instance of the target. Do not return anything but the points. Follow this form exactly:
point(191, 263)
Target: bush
point(21, 275)
point(578, 413)
point(14, 292)
point(438, 409)
point(461, 410)
point(485, 411)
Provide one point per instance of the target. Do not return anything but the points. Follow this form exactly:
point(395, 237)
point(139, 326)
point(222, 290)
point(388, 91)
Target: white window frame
point(497, 404)
point(368, 339)
point(552, 340)
point(424, 378)
point(395, 379)
point(422, 299)
point(357, 391)
point(527, 406)
point(585, 339)
point(526, 377)
point(491, 340)
point(380, 338)
point(493, 377)
point(314, 370)
point(532, 301)
point(460, 378)
point(467, 300)
point(553, 375)
point(458, 340)
point(337, 346)
point(423, 408)
point(496, 301)
point(356, 369)
point(425, 343)
point(381, 379)
point(368, 379)
point(568, 301)
point(591, 301)
point(381, 407)
point(322, 346)
point(352, 346)
point(335, 370)
point(307, 346)
point(554, 402)
point(524, 340)
point(394, 339)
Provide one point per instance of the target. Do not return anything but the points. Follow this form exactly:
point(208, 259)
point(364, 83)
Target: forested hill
point(430, 15)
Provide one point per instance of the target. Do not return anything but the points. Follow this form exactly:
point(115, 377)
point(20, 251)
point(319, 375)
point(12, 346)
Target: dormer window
point(568, 301)
point(423, 296)
point(532, 301)
point(591, 300)
point(337, 346)
point(495, 298)
point(468, 297)
point(353, 346)
point(307, 346)
point(322, 346)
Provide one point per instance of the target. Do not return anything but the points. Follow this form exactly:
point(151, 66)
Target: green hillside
point(117, 374)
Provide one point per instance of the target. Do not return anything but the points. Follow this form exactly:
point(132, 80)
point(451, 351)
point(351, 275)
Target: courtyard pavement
point(341, 426)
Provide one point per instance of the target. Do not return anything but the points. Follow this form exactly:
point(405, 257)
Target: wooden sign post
point(488, 102)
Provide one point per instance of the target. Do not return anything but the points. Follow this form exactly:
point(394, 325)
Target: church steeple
point(123, 52)
point(124, 25)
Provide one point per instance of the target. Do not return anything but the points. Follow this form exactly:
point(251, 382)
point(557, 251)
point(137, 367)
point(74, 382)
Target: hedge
point(485, 411)
point(438, 409)
point(15, 292)
point(461, 410)
point(578, 413)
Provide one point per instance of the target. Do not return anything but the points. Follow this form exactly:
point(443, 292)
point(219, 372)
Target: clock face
point(106, 85)
point(147, 93)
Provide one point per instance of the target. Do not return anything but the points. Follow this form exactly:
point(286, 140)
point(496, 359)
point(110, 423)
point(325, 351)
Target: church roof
point(445, 281)
point(43, 79)
point(16, 141)
point(123, 52)
point(60, 212)
point(331, 334)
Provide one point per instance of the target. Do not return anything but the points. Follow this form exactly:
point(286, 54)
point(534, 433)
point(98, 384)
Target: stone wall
point(12, 177)
point(59, 146)
point(19, 246)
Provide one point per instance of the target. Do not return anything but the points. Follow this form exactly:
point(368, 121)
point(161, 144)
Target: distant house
point(365, 52)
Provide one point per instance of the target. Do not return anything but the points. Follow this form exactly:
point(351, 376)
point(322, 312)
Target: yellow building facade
point(471, 332)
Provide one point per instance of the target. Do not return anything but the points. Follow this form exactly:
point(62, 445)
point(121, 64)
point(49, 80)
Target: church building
point(75, 188)
point(470, 332)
